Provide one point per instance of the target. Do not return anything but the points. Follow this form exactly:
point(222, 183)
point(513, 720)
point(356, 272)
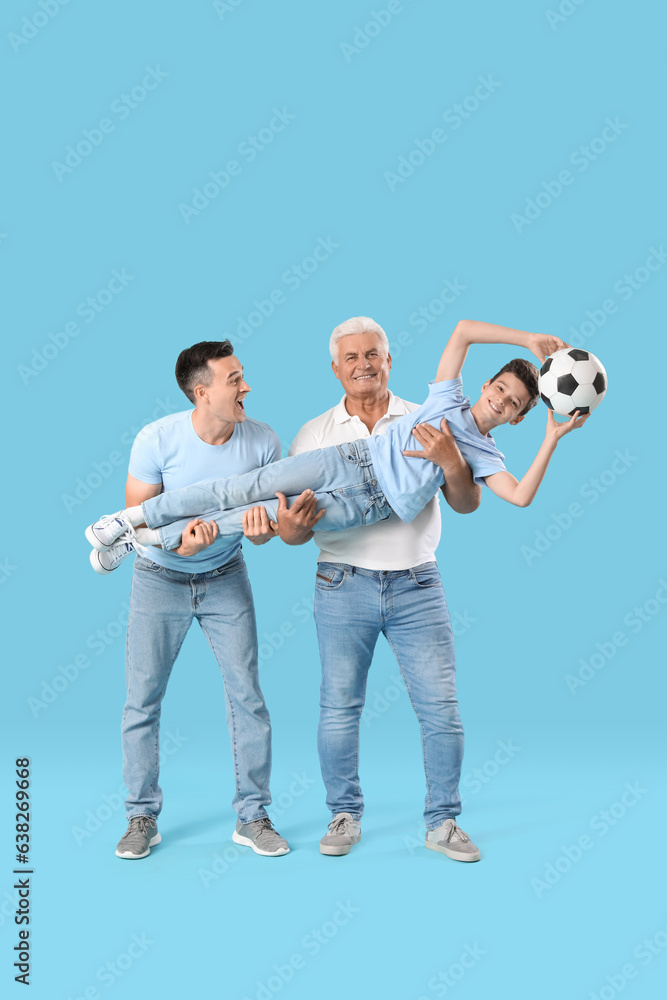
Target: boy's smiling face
point(502, 402)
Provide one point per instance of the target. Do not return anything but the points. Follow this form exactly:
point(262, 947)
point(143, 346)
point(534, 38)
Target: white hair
point(357, 324)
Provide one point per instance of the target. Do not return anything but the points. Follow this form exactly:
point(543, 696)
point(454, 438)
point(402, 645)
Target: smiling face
point(363, 366)
point(223, 397)
point(502, 402)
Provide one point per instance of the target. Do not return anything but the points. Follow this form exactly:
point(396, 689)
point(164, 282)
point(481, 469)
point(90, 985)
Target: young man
point(209, 582)
point(364, 481)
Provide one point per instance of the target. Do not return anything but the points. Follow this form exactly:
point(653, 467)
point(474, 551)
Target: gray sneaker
point(138, 839)
point(261, 836)
point(344, 833)
point(451, 840)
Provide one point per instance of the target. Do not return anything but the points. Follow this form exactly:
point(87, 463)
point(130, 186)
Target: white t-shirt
point(388, 544)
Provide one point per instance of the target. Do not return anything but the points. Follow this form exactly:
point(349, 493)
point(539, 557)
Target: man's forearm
point(460, 490)
point(293, 536)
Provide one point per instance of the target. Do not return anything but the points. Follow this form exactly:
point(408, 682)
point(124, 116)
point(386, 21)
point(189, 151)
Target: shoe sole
point(454, 855)
point(135, 857)
point(337, 852)
point(96, 543)
point(97, 566)
point(246, 842)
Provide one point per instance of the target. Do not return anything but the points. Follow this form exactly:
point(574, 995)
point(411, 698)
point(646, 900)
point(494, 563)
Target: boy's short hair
point(528, 373)
point(192, 368)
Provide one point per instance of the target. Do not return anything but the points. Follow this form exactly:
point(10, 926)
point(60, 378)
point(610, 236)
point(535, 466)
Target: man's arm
point(460, 491)
point(468, 332)
point(294, 525)
point(522, 492)
point(136, 491)
point(197, 535)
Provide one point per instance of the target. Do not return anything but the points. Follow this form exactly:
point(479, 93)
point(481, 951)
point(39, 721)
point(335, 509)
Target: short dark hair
point(527, 373)
point(192, 368)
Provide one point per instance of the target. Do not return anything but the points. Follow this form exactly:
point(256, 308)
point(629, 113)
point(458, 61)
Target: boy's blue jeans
point(342, 477)
point(352, 607)
point(163, 604)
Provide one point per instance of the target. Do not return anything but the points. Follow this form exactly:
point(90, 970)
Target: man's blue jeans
point(342, 477)
point(352, 607)
point(163, 604)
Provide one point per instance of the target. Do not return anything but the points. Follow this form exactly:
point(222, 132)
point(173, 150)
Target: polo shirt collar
point(395, 407)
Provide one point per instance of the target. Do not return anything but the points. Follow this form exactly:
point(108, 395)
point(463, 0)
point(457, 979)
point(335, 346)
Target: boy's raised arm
point(470, 331)
point(522, 492)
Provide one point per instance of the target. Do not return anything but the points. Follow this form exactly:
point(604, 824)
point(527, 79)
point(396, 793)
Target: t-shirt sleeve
point(452, 387)
point(145, 460)
point(483, 464)
point(274, 451)
point(431, 410)
point(304, 441)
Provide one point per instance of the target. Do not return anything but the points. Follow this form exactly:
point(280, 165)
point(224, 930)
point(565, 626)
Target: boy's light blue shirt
point(409, 483)
point(169, 451)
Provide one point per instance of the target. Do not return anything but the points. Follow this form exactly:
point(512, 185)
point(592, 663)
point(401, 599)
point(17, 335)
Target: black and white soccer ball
point(572, 379)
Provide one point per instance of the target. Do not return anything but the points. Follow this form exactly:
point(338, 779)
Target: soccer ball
point(571, 380)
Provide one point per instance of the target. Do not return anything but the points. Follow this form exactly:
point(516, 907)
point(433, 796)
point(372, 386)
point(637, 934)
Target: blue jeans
point(342, 477)
point(163, 604)
point(352, 607)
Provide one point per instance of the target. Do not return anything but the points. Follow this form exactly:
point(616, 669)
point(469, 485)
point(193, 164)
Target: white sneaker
point(103, 533)
point(111, 558)
point(451, 840)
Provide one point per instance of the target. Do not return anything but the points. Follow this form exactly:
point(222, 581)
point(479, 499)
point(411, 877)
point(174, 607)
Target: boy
point(363, 481)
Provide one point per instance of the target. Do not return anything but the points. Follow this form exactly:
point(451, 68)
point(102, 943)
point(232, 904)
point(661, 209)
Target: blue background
point(527, 610)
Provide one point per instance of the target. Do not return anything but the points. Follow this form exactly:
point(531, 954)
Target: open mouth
point(239, 405)
point(494, 408)
point(363, 378)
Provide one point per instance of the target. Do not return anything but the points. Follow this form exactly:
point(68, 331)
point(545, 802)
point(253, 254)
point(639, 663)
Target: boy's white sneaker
point(451, 840)
point(110, 559)
point(103, 533)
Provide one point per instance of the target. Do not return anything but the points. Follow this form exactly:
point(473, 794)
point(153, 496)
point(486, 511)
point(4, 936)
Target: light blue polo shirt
point(409, 483)
point(169, 451)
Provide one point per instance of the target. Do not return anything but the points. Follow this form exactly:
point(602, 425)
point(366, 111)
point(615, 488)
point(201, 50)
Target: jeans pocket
point(426, 576)
point(236, 563)
point(142, 563)
point(355, 452)
point(329, 576)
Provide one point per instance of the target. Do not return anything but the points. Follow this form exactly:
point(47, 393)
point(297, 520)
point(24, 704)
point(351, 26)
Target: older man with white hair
point(383, 578)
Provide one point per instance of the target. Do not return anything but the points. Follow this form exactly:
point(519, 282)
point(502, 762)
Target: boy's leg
point(419, 631)
point(226, 614)
point(159, 618)
point(324, 470)
point(347, 630)
point(346, 508)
